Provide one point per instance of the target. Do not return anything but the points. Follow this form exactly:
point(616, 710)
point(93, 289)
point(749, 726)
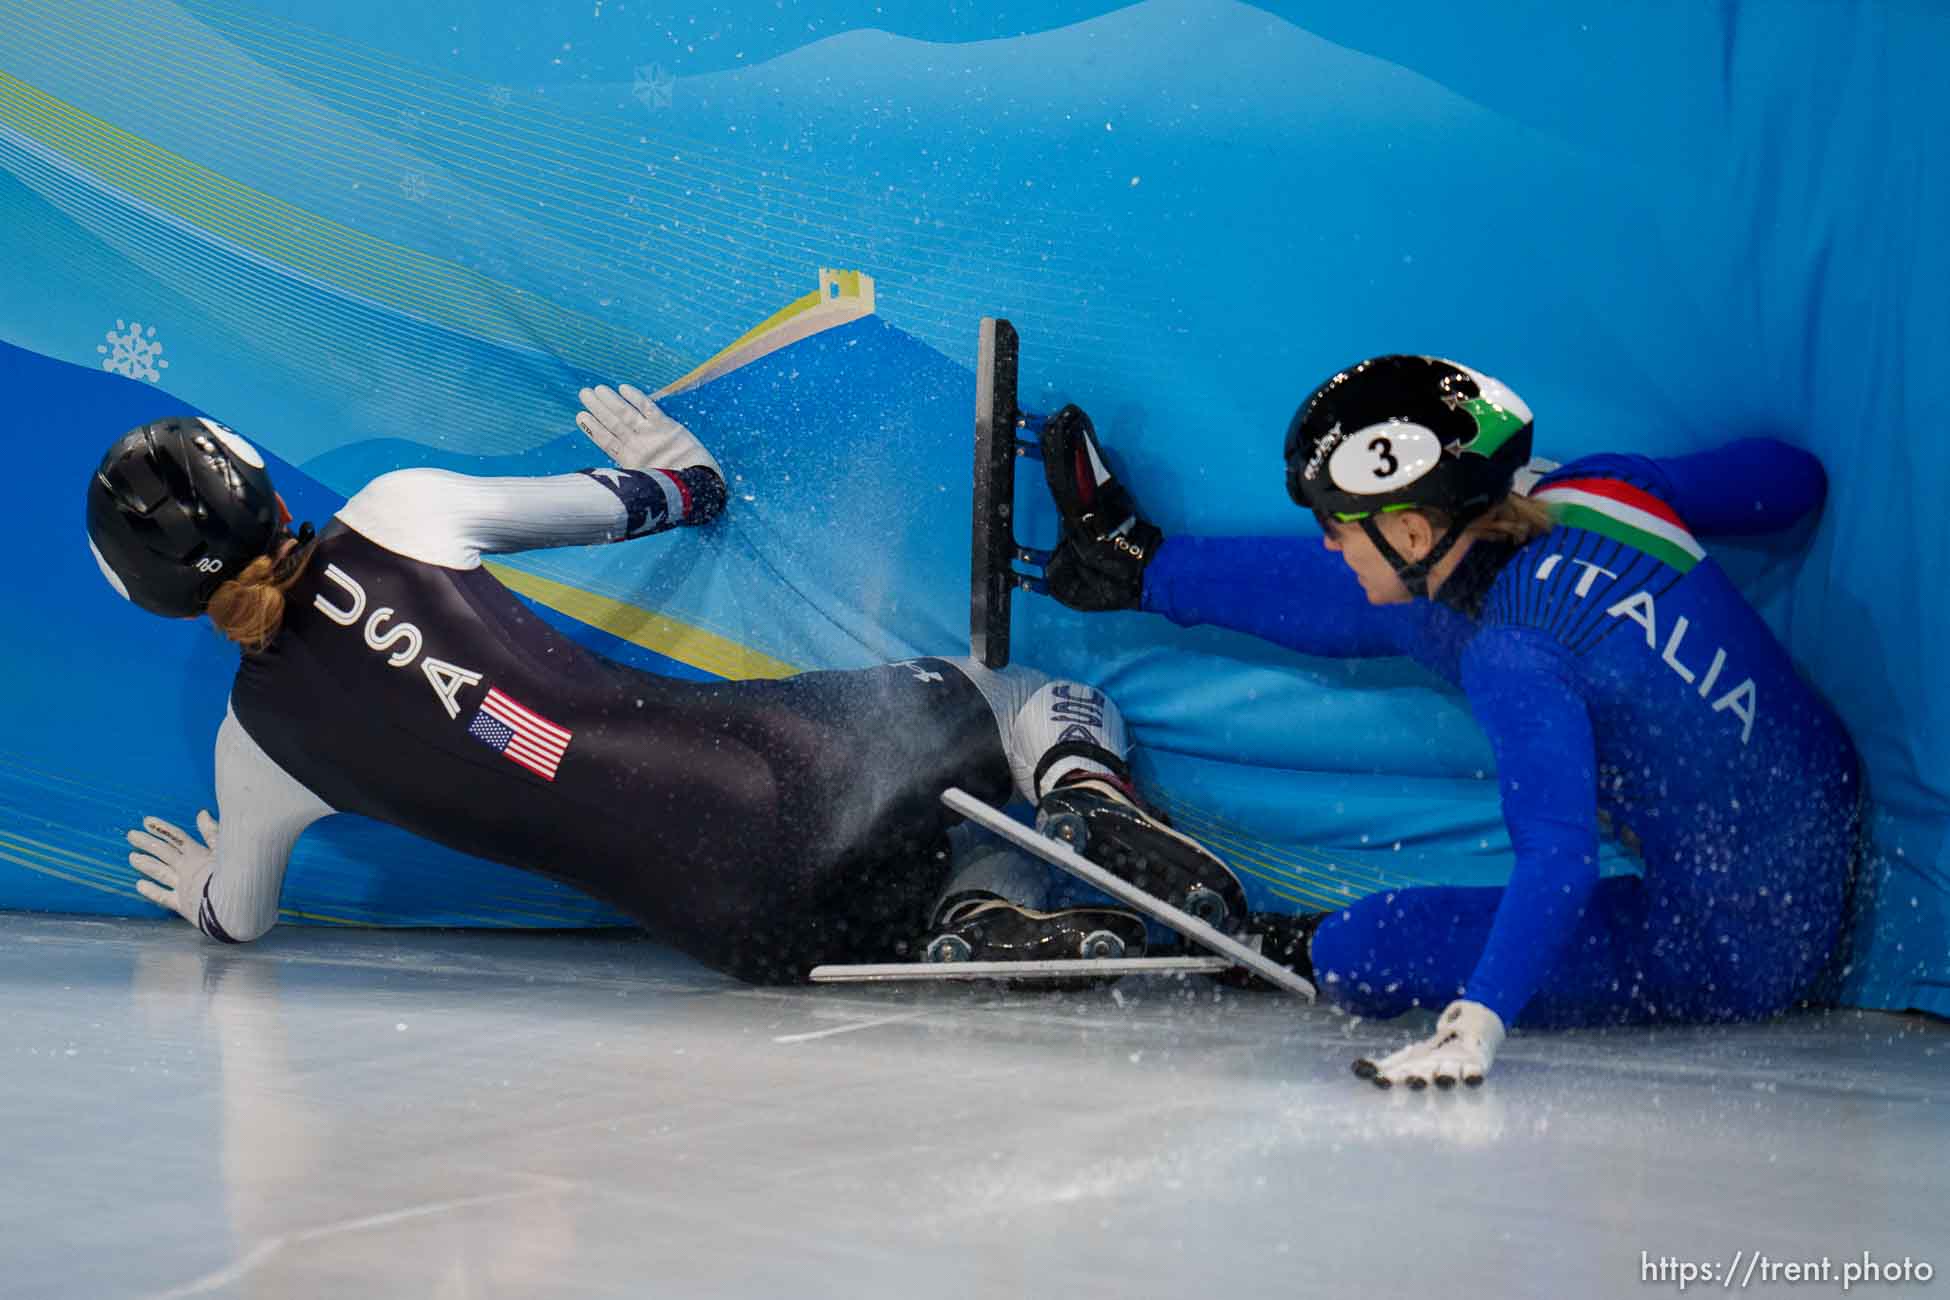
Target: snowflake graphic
point(414, 186)
point(500, 96)
point(412, 119)
point(134, 353)
point(654, 87)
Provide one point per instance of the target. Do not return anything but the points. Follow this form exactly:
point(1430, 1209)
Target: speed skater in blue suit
point(1623, 682)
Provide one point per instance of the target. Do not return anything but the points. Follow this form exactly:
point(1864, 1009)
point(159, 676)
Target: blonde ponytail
point(249, 608)
point(1515, 519)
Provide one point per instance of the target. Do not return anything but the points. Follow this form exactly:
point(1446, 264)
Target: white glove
point(1465, 1042)
point(175, 864)
point(635, 433)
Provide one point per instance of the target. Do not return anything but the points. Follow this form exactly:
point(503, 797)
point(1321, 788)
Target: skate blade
point(994, 547)
point(1063, 968)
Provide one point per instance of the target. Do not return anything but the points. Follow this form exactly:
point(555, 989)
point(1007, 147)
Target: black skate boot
point(1284, 938)
point(987, 927)
point(1100, 817)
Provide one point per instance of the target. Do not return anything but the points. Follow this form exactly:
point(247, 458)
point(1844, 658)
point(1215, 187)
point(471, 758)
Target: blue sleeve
point(1522, 687)
point(1291, 591)
point(1755, 485)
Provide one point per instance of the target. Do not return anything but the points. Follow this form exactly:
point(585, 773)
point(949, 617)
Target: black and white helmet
point(1400, 432)
point(177, 508)
point(1406, 433)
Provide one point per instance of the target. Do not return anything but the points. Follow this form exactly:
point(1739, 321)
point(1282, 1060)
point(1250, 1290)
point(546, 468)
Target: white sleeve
point(451, 520)
point(261, 811)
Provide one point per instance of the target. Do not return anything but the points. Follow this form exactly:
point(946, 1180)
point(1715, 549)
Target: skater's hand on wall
point(175, 865)
point(1462, 1048)
point(634, 432)
point(1106, 541)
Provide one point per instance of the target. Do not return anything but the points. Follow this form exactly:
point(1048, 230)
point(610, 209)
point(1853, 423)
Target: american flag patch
point(520, 734)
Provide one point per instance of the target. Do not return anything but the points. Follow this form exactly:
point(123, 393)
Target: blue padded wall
point(369, 237)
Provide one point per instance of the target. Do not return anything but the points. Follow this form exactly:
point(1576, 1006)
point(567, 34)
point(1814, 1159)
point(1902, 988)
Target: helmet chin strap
point(1414, 574)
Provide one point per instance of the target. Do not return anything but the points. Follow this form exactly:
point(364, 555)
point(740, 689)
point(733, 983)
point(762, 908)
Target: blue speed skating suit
point(1619, 675)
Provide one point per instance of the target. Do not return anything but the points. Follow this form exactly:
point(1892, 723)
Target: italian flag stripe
point(1624, 493)
point(1624, 514)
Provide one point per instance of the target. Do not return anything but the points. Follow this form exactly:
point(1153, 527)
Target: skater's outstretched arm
point(663, 478)
point(1288, 590)
point(227, 885)
point(1522, 689)
point(1523, 694)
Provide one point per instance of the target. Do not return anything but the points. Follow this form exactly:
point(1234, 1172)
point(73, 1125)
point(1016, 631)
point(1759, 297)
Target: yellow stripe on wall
point(335, 255)
point(666, 636)
point(842, 297)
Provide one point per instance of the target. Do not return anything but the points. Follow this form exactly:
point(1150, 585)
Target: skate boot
point(1100, 817)
point(987, 927)
point(1284, 938)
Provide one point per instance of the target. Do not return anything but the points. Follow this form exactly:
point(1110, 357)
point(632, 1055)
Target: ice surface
point(386, 1113)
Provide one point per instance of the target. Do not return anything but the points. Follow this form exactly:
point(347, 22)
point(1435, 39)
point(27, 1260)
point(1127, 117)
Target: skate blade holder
point(1201, 902)
point(1004, 434)
point(1097, 944)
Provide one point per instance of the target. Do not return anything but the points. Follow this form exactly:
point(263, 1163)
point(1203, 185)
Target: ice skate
point(985, 927)
point(1284, 938)
point(1098, 815)
point(1058, 853)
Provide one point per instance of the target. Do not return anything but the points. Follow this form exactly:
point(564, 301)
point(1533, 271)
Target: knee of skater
point(1359, 964)
point(1370, 996)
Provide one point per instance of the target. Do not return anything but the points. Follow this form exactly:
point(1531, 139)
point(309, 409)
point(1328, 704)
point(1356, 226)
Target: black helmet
point(1402, 432)
point(1406, 431)
point(176, 508)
